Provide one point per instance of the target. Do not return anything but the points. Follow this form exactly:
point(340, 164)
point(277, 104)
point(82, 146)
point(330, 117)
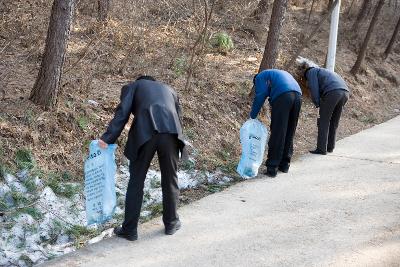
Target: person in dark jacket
point(284, 96)
point(157, 128)
point(329, 93)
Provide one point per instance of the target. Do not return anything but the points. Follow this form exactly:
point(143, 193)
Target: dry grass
point(155, 37)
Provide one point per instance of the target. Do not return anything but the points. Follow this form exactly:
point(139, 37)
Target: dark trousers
point(284, 116)
point(167, 148)
point(330, 110)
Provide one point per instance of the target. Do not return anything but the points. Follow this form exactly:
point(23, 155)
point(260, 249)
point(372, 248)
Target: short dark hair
point(146, 77)
point(305, 72)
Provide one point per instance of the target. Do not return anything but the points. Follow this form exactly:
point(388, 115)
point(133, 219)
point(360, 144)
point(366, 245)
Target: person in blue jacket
point(284, 96)
point(329, 93)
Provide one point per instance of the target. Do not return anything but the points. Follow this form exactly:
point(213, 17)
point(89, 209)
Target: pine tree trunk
point(103, 10)
point(45, 90)
point(261, 10)
point(361, 14)
point(330, 4)
point(351, 6)
point(311, 10)
point(389, 48)
point(363, 49)
point(272, 46)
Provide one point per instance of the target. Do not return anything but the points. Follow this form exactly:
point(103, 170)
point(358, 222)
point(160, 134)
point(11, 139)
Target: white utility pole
point(330, 62)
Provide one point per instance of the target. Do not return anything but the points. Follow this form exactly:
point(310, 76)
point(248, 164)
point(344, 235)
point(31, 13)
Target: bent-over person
point(284, 96)
point(157, 128)
point(329, 93)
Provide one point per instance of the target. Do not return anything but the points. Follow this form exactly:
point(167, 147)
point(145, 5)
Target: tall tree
point(45, 90)
point(311, 10)
point(103, 8)
point(392, 40)
point(351, 6)
point(361, 14)
point(330, 3)
point(261, 10)
point(275, 26)
point(363, 49)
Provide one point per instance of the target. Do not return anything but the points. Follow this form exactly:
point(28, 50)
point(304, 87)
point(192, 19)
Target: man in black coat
point(329, 93)
point(157, 128)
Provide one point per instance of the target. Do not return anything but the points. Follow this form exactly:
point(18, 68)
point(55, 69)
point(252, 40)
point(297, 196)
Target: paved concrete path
point(337, 210)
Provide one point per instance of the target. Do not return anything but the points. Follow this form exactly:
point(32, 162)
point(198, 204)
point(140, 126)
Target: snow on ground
point(38, 224)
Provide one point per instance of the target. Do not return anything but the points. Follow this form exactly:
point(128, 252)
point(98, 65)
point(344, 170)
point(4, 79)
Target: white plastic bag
point(100, 169)
point(253, 137)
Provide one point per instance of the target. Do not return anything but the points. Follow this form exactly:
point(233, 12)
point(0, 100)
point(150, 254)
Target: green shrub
point(78, 231)
point(35, 213)
point(156, 209)
point(179, 66)
point(3, 205)
point(30, 185)
point(223, 42)
point(24, 159)
point(188, 165)
point(2, 172)
point(55, 182)
point(19, 198)
point(83, 122)
point(155, 183)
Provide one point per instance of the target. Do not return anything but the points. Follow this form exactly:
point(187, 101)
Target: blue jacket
point(321, 81)
point(271, 83)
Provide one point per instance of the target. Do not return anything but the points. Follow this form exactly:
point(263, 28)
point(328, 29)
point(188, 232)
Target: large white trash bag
point(100, 169)
point(253, 137)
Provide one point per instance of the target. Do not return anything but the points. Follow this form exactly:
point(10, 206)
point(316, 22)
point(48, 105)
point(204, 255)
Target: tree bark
point(389, 48)
point(306, 40)
point(363, 49)
point(261, 10)
point(311, 10)
point(46, 88)
point(351, 6)
point(272, 46)
point(330, 3)
point(103, 10)
point(361, 14)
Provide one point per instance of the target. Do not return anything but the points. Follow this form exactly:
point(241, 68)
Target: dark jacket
point(321, 81)
point(155, 107)
point(272, 83)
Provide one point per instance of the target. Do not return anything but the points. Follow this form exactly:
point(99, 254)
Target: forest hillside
point(157, 38)
point(208, 51)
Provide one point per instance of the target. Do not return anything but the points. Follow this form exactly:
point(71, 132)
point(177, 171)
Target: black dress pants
point(284, 116)
point(331, 106)
point(167, 148)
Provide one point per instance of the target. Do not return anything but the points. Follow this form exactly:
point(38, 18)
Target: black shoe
point(171, 229)
point(284, 169)
point(329, 150)
point(118, 231)
point(271, 172)
point(318, 151)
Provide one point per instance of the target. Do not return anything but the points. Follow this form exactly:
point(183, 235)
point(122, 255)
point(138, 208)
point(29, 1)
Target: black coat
point(155, 107)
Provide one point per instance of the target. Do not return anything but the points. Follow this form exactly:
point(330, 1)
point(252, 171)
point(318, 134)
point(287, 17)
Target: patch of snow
point(187, 180)
point(4, 189)
point(104, 234)
point(62, 239)
point(47, 237)
point(92, 102)
point(145, 213)
point(23, 175)
point(14, 184)
point(38, 182)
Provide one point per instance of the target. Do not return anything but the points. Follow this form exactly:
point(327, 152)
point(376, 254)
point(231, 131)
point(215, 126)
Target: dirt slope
point(149, 37)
